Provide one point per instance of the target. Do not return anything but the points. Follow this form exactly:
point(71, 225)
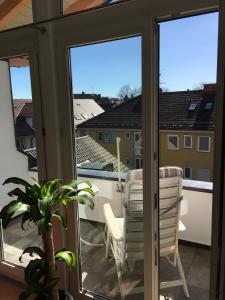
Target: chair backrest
point(170, 186)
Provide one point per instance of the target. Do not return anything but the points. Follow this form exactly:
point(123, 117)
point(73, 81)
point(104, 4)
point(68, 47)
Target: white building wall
point(12, 162)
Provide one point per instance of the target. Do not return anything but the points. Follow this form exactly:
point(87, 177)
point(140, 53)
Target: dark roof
point(174, 113)
point(88, 149)
point(125, 115)
point(18, 105)
point(22, 128)
point(27, 110)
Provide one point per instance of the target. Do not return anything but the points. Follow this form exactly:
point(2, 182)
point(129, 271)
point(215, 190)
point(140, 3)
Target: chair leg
point(181, 271)
point(107, 243)
point(120, 280)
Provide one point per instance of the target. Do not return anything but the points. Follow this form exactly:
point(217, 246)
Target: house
point(84, 110)
point(89, 155)
point(24, 130)
point(186, 139)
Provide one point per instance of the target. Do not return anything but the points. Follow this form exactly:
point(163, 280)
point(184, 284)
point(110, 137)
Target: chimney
point(209, 88)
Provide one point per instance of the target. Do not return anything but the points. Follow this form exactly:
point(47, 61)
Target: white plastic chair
point(125, 236)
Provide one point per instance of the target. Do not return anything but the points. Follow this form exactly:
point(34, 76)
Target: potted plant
point(40, 203)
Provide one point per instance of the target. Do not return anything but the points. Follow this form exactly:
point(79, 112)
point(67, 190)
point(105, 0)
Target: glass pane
point(188, 56)
point(73, 6)
point(107, 86)
point(15, 13)
point(18, 152)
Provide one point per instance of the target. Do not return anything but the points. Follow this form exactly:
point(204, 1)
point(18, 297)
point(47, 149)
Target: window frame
point(209, 143)
point(190, 173)
point(185, 146)
point(203, 169)
point(156, 10)
point(168, 142)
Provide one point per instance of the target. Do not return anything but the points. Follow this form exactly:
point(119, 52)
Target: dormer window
point(208, 105)
point(192, 107)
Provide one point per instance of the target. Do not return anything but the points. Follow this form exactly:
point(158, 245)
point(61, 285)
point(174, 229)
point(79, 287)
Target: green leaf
point(43, 226)
point(57, 214)
point(85, 200)
point(9, 210)
point(67, 257)
point(17, 180)
point(87, 190)
point(34, 266)
point(25, 218)
point(31, 251)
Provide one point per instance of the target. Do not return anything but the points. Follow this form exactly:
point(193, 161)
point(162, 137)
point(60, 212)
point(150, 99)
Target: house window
point(208, 105)
point(203, 175)
point(127, 135)
point(138, 145)
point(138, 163)
point(187, 141)
point(20, 143)
point(204, 143)
point(187, 173)
point(192, 107)
point(106, 137)
point(173, 142)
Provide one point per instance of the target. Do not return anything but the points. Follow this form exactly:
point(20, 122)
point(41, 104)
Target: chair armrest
point(112, 224)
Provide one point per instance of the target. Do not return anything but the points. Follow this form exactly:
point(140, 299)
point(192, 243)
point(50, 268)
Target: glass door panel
point(18, 151)
point(107, 112)
point(188, 56)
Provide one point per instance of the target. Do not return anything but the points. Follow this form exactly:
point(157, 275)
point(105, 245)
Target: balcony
point(99, 274)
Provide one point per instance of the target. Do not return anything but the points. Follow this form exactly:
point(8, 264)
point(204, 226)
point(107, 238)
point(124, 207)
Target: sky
point(188, 54)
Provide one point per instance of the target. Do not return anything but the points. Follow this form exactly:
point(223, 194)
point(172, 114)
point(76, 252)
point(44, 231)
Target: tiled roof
point(18, 105)
point(174, 113)
point(88, 149)
point(27, 110)
point(125, 115)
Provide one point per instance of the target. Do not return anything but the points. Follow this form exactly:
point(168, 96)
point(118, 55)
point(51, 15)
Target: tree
point(127, 92)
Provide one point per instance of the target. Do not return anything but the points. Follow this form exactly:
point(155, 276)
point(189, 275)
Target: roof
point(88, 150)
point(85, 109)
point(174, 113)
point(125, 115)
point(18, 105)
point(26, 110)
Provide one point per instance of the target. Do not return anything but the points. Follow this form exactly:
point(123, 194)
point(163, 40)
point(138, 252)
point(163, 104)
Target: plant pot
point(64, 295)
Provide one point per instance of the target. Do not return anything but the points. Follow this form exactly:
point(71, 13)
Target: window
point(187, 141)
point(208, 105)
point(192, 107)
point(139, 163)
point(173, 142)
point(127, 135)
point(203, 175)
point(204, 143)
point(138, 145)
point(106, 137)
point(187, 173)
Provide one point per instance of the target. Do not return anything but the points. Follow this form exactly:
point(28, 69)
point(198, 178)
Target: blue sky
point(188, 53)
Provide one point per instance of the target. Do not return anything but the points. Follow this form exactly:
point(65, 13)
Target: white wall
point(107, 194)
point(197, 217)
point(12, 162)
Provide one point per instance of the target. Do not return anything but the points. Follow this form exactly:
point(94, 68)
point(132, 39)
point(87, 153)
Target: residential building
point(24, 130)
point(186, 138)
point(84, 110)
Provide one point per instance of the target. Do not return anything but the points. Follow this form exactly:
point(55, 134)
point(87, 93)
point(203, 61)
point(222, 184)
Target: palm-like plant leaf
point(66, 256)
point(9, 210)
point(18, 181)
point(57, 214)
point(31, 251)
